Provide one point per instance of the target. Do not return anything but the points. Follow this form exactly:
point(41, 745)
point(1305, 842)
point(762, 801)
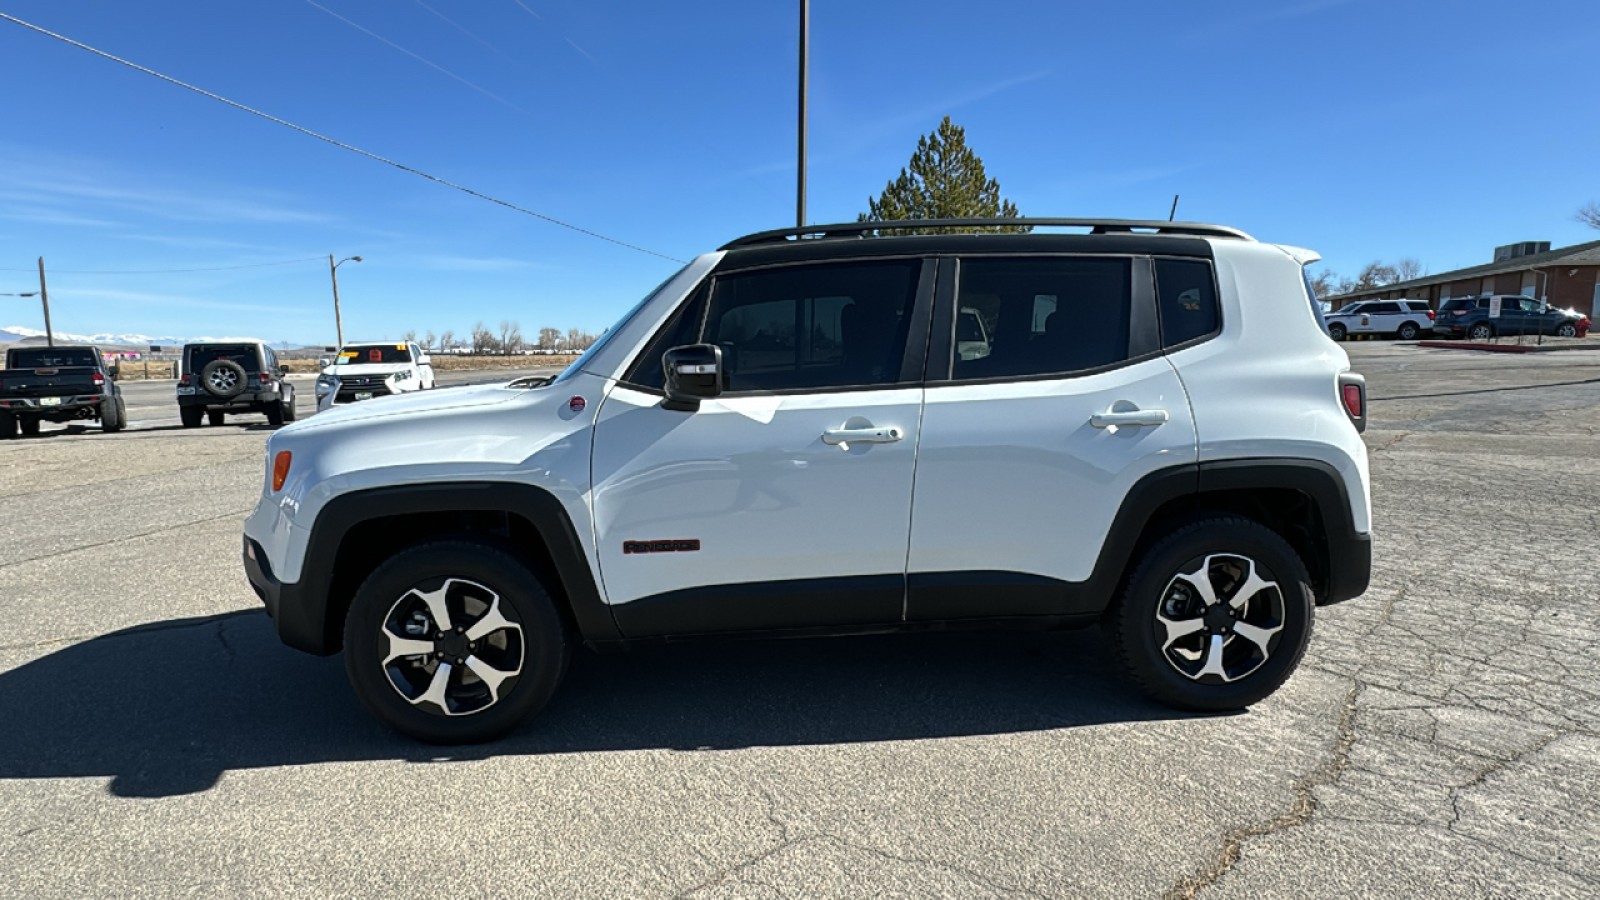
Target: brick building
point(1569, 277)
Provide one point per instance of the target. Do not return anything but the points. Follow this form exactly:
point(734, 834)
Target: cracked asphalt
point(1442, 737)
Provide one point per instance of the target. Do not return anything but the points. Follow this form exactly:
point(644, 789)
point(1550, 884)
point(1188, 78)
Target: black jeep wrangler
point(215, 380)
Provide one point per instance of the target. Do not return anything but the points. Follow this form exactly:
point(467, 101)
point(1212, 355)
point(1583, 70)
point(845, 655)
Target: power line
point(328, 140)
point(285, 262)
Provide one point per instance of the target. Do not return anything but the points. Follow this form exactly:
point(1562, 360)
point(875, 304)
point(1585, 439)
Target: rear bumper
point(68, 404)
point(1349, 568)
point(297, 616)
point(249, 400)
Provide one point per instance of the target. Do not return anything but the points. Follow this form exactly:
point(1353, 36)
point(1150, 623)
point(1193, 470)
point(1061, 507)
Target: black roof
point(869, 239)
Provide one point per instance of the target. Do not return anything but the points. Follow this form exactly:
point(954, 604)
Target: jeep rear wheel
point(191, 416)
point(215, 418)
point(454, 642)
point(113, 414)
point(1215, 616)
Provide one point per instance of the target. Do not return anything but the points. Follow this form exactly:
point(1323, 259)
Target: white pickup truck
point(364, 371)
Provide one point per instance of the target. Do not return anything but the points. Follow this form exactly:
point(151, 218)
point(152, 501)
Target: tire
point(224, 379)
point(473, 580)
point(1186, 670)
point(1408, 331)
point(289, 411)
point(1480, 332)
point(1567, 329)
point(112, 414)
point(29, 425)
point(8, 426)
point(191, 416)
point(274, 413)
point(1336, 331)
point(215, 417)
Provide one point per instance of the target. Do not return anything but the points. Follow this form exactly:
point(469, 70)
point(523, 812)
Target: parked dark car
point(1469, 317)
point(58, 384)
point(218, 380)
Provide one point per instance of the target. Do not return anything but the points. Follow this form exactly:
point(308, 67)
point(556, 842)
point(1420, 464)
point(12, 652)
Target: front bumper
point(297, 615)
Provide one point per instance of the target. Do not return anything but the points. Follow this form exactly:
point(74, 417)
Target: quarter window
point(1187, 294)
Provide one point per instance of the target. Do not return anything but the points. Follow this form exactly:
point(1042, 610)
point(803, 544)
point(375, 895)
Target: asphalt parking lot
point(1442, 737)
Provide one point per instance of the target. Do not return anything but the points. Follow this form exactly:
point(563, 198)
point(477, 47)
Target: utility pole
point(800, 187)
point(49, 336)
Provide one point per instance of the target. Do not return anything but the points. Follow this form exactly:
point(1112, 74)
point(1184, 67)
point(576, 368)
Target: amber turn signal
point(280, 469)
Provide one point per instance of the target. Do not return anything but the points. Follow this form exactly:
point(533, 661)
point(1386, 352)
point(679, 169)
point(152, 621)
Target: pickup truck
point(58, 384)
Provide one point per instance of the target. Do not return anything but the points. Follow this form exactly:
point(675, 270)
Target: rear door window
point(51, 357)
point(1046, 315)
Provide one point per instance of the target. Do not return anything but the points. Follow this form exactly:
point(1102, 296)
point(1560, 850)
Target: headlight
point(407, 375)
point(327, 381)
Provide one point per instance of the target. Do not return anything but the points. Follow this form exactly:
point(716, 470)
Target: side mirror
point(693, 373)
point(324, 362)
point(424, 360)
point(283, 370)
point(115, 372)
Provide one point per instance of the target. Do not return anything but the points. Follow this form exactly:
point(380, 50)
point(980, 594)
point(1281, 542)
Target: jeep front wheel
point(1215, 616)
point(454, 642)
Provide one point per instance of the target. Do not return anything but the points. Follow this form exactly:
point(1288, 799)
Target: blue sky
point(1363, 128)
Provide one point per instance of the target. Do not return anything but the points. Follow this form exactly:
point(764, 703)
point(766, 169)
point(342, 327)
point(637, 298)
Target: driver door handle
point(844, 437)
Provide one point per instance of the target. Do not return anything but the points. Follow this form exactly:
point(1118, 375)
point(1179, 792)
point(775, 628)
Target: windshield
point(51, 357)
point(1311, 295)
point(361, 354)
point(1346, 309)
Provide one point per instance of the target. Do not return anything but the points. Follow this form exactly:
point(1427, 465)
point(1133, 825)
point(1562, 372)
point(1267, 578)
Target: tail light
point(266, 377)
point(1431, 314)
point(183, 380)
point(1353, 394)
point(99, 380)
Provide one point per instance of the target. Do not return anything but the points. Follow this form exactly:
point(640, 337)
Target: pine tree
point(945, 180)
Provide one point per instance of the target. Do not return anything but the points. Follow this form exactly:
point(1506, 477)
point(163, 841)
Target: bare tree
point(483, 339)
point(549, 338)
point(410, 336)
point(427, 340)
point(1408, 268)
point(1322, 283)
point(446, 340)
point(574, 339)
point(1589, 215)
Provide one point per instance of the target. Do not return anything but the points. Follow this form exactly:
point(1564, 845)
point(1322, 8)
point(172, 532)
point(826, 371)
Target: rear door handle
point(844, 437)
point(1130, 417)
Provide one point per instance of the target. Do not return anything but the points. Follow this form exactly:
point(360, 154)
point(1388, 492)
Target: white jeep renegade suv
point(786, 438)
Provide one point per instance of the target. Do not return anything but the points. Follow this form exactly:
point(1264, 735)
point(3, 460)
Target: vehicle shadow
point(167, 708)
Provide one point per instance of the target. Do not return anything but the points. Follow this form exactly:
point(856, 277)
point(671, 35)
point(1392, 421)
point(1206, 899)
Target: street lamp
point(333, 273)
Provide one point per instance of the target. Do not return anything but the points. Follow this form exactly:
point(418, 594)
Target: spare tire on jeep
point(223, 378)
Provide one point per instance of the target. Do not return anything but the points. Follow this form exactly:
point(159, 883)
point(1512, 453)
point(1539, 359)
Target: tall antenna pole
point(800, 186)
point(1173, 214)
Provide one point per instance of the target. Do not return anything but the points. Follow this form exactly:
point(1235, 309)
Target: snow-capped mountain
point(13, 333)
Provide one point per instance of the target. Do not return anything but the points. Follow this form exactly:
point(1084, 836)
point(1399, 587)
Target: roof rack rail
point(1095, 226)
